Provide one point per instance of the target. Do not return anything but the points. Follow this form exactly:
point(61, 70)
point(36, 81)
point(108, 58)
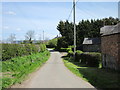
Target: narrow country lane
point(54, 75)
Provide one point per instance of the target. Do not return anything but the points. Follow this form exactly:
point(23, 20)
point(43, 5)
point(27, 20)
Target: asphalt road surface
point(53, 74)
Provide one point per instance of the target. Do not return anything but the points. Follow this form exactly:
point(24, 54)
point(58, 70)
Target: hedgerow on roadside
point(14, 50)
point(16, 69)
point(92, 59)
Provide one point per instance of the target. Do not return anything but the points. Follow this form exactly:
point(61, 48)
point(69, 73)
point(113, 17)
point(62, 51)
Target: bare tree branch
point(30, 35)
point(12, 38)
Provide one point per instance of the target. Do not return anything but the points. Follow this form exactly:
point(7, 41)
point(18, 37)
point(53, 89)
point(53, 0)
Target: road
point(53, 74)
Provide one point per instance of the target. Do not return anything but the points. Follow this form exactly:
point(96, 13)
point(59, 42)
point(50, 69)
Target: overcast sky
point(19, 17)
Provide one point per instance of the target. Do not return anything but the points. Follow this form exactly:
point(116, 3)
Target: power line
point(70, 14)
point(71, 11)
point(85, 11)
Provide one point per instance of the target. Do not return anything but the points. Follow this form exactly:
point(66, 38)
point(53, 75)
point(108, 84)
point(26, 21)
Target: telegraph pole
point(74, 28)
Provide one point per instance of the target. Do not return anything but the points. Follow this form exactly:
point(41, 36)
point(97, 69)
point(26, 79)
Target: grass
point(98, 77)
point(16, 69)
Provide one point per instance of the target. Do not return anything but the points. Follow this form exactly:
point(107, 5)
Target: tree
point(52, 43)
point(11, 38)
point(66, 30)
point(30, 35)
point(84, 29)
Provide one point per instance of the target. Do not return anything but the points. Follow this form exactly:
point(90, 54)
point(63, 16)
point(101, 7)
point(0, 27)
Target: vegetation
point(13, 50)
point(42, 47)
point(52, 43)
point(85, 28)
point(18, 60)
point(98, 77)
point(16, 69)
point(63, 49)
point(92, 59)
point(29, 36)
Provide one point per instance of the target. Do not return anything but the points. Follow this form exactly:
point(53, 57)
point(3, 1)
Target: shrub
point(70, 53)
point(8, 51)
point(52, 43)
point(91, 59)
point(20, 67)
point(62, 43)
point(42, 47)
point(71, 46)
point(34, 48)
point(21, 50)
point(77, 55)
point(68, 49)
point(28, 49)
point(13, 50)
point(64, 49)
point(79, 52)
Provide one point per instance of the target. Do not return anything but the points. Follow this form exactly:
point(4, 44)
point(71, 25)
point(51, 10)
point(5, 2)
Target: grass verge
point(98, 77)
point(16, 69)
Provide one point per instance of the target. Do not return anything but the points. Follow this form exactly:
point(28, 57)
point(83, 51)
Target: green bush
point(13, 50)
point(79, 52)
point(70, 53)
point(21, 50)
point(62, 43)
point(64, 49)
point(42, 47)
point(20, 67)
point(52, 43)
point(77, 55)
point(90, 59)
point(28, 49)
point(68, 49)
point(9, 51)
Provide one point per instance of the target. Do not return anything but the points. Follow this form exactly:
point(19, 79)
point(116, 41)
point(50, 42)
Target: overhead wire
point(86, 12)
point(71, 11)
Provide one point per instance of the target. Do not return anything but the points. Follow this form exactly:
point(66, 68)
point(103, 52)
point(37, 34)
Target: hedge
point(64, 49)
point(90, 59)
point(13, 50)
point(42, 47)
point(52, 43)
point(17, 69)
point(70, 53)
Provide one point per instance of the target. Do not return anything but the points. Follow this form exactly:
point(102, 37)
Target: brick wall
point(110, 48)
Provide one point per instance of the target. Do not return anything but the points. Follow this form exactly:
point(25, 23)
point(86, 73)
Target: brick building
point(110, 46)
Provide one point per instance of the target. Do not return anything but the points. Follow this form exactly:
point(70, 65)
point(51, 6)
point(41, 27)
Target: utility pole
point(74, 28)
point(40, 38)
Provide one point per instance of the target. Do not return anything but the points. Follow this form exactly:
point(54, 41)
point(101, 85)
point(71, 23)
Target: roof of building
point(107, 30)
point(91, 41)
